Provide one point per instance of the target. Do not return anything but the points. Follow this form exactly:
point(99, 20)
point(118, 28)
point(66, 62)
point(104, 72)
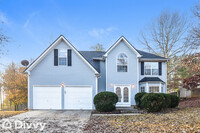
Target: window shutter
point(69, 57)
point(160, 68)
point(142, 68)
point(55, 57)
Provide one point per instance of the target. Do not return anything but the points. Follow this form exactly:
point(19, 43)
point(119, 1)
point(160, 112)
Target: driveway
point(47, 121)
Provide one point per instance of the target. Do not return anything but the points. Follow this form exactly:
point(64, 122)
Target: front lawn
point(182, 120)
point(5, 114)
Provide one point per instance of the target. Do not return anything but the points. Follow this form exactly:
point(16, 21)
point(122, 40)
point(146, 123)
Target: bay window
point(154, 89)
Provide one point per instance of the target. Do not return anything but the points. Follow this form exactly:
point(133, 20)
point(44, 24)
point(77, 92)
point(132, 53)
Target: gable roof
point(90, 55)
point(122, 38)
point(61, 37)
point(151, 79)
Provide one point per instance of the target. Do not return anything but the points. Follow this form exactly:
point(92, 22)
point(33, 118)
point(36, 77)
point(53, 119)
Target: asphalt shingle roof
point(149, 55)
point(89, 55)
point(147, 79)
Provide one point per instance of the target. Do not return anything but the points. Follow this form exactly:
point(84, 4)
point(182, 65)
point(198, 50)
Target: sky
point(32, 25)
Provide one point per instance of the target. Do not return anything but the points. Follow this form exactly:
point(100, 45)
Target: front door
point(123, 92)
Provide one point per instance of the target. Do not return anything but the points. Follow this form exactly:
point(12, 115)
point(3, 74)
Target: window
point(162, 91)
point(142, 89)
point(62, 57)
point(118, 92)
point(122, 64)
point(151, 68)
point(125, 94)
point(154, 89)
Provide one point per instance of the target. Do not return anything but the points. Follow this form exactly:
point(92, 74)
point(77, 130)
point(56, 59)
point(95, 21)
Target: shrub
point(174, 101)
point(138, 97)
point(105, 101)
point(153, 102)
point(167, 99)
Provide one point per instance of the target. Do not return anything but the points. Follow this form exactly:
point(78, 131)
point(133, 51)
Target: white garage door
point(78, 97)
point(47, 97)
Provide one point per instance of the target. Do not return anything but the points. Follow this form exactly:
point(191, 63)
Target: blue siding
point(102, 79)
point(122, 78)
point(45, 73)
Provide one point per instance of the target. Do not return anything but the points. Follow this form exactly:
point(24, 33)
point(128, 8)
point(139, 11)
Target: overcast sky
point(33, 25)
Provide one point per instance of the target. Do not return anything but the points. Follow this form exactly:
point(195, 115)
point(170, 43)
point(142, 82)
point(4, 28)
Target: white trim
point(160, 87)
point(96, 85)
point(28, 92)
point(127, 43)
point(147, 86)
point(106, 74)
point(155, 86)
point(152, 69)
point(62, 56)
point(123, 104)
point(60, 86)
point(52, 46)
point(138, 73)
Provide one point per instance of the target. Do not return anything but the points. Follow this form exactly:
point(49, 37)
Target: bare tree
point(3, 41)
point(165, 37)
point(194, 36)
point(98, 47)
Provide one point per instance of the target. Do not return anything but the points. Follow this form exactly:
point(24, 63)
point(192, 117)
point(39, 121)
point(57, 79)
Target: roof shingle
point(149, 79)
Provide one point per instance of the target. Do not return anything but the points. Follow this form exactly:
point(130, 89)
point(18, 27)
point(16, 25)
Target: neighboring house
point(64, 78)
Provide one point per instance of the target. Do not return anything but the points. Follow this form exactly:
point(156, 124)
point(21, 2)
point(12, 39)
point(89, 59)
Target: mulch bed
point(189, 102)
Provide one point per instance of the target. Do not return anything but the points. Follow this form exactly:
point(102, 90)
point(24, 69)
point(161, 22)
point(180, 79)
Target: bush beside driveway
point(184, 120)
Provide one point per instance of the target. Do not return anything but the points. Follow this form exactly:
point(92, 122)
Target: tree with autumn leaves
point(15, 84)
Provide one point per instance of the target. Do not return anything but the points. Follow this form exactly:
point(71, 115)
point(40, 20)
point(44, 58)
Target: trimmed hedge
point(167, 97)
point(138, 97)
point(105, 101)
point(153, 102)
point(174, 101)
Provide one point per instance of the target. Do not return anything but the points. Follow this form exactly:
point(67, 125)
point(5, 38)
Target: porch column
point(147, 87)
point(160, 87)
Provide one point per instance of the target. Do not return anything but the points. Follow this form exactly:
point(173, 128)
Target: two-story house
point(64, 78)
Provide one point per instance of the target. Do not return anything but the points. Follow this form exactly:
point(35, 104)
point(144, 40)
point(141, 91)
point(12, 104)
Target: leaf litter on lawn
point(184, 120)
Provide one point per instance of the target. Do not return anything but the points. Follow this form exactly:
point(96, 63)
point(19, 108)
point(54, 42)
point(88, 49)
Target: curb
point(116, 114)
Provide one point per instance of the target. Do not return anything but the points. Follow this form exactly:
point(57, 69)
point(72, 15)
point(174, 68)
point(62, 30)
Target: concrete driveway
point(47, 121)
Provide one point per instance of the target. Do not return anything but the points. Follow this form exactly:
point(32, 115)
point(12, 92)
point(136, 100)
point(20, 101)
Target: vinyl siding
point(45, 73)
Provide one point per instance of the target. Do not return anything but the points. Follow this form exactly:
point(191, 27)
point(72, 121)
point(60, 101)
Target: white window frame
point(142, 87)
point(120, 64)
point(62, 56)
point(122, 103)
point(154, 86)
point(151, 70)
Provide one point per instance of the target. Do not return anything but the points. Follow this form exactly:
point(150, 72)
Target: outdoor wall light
point(111, 85)
point(132, 86)
point(62, 85)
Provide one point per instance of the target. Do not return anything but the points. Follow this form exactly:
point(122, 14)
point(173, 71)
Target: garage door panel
point(47, 97)
point(78, 98)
